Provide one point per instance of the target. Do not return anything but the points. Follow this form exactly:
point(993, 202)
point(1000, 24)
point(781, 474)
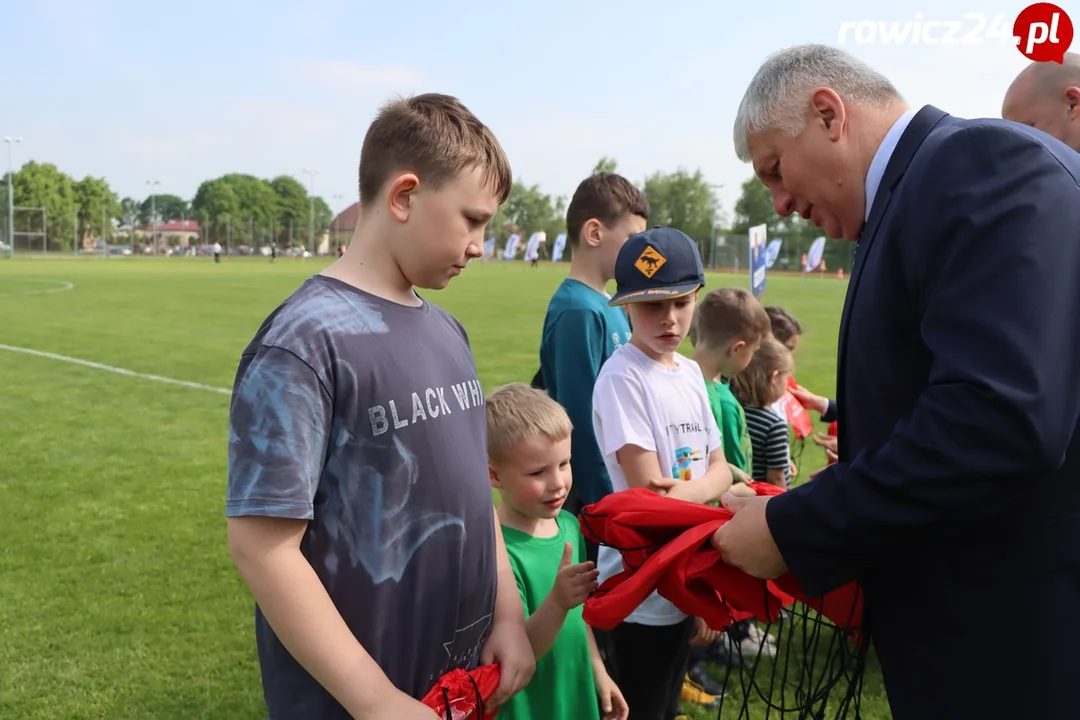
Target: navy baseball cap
point(659, 264)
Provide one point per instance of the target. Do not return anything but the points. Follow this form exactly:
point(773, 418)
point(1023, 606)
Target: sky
point(184, 92)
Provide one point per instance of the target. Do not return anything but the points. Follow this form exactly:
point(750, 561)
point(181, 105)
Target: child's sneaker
point(694, 693)
point(702, 679)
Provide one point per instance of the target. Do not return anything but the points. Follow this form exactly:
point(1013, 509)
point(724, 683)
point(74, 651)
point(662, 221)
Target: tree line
point(243, 209)
point(236, 207)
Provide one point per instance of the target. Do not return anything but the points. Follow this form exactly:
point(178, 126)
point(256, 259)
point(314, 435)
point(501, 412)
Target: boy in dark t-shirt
point(359, 510)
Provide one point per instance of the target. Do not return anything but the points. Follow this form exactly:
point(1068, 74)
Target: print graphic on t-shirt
point(427, 404)
point(371, 500)
point(685, 427)
point(463, 650)
point(684, 461)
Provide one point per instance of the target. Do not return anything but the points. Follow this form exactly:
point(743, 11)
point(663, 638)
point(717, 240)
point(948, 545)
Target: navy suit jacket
point(956, 499)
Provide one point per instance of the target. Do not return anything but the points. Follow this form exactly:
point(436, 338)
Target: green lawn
point(117, 597)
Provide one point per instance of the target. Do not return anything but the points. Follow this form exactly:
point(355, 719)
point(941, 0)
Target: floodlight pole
point(11, 142)
point(153, 214)
point(311, 211)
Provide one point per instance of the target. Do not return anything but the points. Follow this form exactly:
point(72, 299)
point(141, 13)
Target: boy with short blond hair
point(581, 331)
point(529, 464)
point(358, 513)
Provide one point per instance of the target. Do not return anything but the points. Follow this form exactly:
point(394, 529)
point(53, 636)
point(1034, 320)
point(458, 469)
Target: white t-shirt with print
point(638, 401)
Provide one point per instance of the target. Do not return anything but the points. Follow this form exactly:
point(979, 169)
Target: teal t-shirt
point(581, 331)
point(563, 687)
point(731, 418)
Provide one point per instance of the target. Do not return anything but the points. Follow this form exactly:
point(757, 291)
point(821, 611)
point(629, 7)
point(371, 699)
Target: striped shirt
point(769, 438)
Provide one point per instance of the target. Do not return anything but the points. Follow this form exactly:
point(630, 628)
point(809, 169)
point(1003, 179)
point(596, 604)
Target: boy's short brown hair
point(517, 412)
point(751, 387)
point(434, 136)
point(604, 196)
point(728, 314)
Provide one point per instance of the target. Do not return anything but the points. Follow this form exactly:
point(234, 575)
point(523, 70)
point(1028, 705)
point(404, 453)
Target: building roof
point(174, 226)
point(346, 219)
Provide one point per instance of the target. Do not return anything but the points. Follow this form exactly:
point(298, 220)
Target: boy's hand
point(660, 486)
point(705, 635)
point(400, 705)
point(611, 698)
point(509, 646)
point(573, 582)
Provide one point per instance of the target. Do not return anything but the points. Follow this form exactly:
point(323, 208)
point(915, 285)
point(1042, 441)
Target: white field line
point(64, 287)
point(118, 371)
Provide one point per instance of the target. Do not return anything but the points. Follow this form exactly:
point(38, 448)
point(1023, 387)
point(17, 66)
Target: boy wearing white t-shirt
point(655, 429)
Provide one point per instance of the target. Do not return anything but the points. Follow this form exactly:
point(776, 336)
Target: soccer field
point(117, 596)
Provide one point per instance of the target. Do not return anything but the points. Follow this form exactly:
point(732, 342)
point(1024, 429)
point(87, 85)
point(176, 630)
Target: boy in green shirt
point(529, 464)
point(729, 325)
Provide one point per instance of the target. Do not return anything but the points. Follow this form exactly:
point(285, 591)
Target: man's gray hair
point(778, 95)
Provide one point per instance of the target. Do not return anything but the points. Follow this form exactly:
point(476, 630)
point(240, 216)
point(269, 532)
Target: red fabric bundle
point(460, 695)
point(797, 416)
point(666, 547)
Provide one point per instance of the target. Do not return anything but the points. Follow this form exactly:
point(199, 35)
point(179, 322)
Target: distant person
point(217, 252)
point(361, 521)
point(1046, 96)
point(273, 253)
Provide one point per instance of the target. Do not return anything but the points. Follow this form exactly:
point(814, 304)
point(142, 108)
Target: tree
point(754, 207)
point(130, 213)
point(293, 206)
point(216, 206)
point(98, 206)
point(43, 185)
point(169, 208)
point(684, 201)
point(531, 211)
point(605, 164)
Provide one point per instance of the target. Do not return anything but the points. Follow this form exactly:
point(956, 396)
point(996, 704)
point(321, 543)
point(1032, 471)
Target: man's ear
point(1072, 96)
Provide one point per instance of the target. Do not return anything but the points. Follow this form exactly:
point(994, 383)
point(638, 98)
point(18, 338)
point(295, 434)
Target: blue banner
point(489, 248)
point(772, 251)
point(511, 246)
point(814, 255)
point(757, 260)
point(559, 247)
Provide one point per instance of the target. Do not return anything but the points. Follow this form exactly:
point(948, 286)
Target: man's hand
point(826, 441)
point(742, 490)
point(573, 583)
point(745, 540)
point(705, 635)
point(509, 646)
point(809, 400)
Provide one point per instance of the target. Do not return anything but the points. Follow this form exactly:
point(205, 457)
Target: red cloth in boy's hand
point(460, 695)
point(665, 545)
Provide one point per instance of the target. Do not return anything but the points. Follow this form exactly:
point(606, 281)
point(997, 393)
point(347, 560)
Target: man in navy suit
point(956, 498)
point(1046, 95)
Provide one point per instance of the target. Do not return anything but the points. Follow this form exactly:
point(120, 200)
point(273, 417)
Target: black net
point(801, 666)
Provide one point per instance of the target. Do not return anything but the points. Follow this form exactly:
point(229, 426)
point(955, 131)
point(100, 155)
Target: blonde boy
point(529, 464)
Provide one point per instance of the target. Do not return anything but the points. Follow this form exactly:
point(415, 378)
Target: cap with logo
point(659, 264)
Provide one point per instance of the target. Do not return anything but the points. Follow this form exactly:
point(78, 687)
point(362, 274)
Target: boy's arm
point(730, 423)
point(579, 337)
point(279, 423)
point(508, 644)
point(266, 551)
point(710, 487)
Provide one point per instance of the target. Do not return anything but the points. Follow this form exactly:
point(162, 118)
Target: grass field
point(117, 596)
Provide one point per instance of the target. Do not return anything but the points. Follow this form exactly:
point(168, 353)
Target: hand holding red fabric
point(666, 547)
point(461, 695)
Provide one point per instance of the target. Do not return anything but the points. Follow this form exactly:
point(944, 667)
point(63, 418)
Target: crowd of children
point(357, 515)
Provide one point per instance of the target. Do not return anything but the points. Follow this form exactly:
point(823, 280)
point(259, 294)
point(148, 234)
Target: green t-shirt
point(562, 687)
point(731, 418)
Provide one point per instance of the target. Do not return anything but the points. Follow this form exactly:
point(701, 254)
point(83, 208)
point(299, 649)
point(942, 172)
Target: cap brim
point(654, 294)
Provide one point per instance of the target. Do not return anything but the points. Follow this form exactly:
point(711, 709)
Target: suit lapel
point(912, 139)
